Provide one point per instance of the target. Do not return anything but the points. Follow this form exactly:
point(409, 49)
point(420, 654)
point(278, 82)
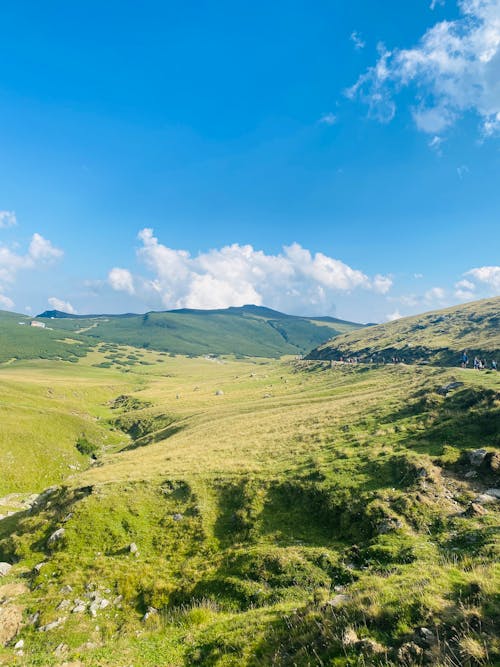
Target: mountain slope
point(246, 331)
point(437, 337)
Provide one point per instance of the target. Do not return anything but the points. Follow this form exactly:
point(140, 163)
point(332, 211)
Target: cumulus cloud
point(7, 219)
point(235, 275)
point(464, 289)
point(454, 69)
point(40, 252)
point(396, 315)
point(121, 280)
point(489, 275)
point(60, 304)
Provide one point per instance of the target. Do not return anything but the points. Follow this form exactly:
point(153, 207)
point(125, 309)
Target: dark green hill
point(436, 337)
point(19, 340)
point(244, 331)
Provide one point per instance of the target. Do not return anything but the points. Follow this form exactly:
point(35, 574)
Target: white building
point(36, 323)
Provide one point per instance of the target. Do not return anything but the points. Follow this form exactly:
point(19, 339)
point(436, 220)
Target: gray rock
point(80, 607)
point(133, 548)
point(219, 392)
point(339, 600)
point(476, 457)
point(389, 525)
point(178, 517)
point(426, 636)
point(39, 566)
point(471, 474)
point(493, 492)
point(485, 499)
point(56, 536)
point(5, 568)
point(66, 589)
point(52, 625)
point(64, 604)
point(151, 611)
point(449, 387)
point(19, 644)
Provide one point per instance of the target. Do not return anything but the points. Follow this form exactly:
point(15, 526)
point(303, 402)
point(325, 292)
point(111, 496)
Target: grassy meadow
point(249, 512)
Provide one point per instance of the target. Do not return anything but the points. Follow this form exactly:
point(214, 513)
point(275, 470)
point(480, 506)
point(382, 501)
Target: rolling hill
point(438, 337)
point(244, 331)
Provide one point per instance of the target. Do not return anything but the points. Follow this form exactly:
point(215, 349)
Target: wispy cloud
point(7, 219)
point(454, 69)
point(357, 40)
point(328, 118)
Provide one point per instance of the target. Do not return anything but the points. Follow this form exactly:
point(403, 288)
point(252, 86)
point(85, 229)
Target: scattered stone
point(219, 392)
point(151, 611)
point(79, 607)
point(66, 589)
point(64, 604)
point(39, 566)
point(19, 645)
point(5, 568)
point(484, 499)
point(68, 517)
point(339, 600)
point(97, 605)
point(389, 525)
point(52, 625)
point(132, 547)
point(178, 517)
point(477, 456)
point(449, 387)
point(56, 536)
point(61, 650)
point(471, 474)
point(474, 510)
point(118, 600)
point(34, 618)
point(267, 396)
point(425, 636)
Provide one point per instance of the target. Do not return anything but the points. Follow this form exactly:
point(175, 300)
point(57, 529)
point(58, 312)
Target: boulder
point(495, 493)
point(477, 456)
point(339, 600)
point(474, 510)
point(5, 568)
point(219, 392)
point(491, 462)
point(56, 537)
point(151, 611)
point(132, 547)
point(178, 517)
point(445, 389)
point(11, 617)
point(485, 499)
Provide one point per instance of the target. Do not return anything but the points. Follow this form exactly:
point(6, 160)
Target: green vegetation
point(254, 512)
point(249, 331)
point(438, 337)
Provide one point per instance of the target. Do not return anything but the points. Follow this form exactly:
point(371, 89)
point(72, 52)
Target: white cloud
point(435, 144)
point(121, 280)
point(382, 284)
point(59, 304)
point(464, 290)
point(417, 276)
point(435, 294)
point(5, 302)
point(454, 69)
point(42, 250)
point(234, 275)
point(490, 275)
point(396, 315)
point(7, 219)
point(357, 40)
point(462, 170)
point(436, 3)
point(328, 118)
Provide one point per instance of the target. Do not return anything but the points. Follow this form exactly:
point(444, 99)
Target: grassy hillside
point(438, 337)
point(246, 331)
point(20, 341)
point(262, 512)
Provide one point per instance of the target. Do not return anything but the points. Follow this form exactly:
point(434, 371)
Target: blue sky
point(334, 158)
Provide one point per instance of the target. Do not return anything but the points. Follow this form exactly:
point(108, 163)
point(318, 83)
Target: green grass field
point(284, 512)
